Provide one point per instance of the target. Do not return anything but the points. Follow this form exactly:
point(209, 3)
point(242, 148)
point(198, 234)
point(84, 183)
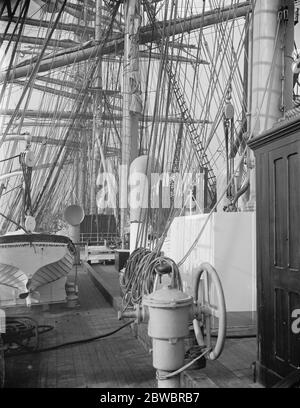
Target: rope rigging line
point(21, 17)
point(215, 78)
point(230, 61)
point(242, 156)
point(80, 103)
point(12, 189)
point(153, 144)
point(14, 222)
point(164, 104)
point(218, 119)
point(31, 87)
point(32, 75)
point(156, 216)
point(214, 90)
point(167, 103)
point(27, 172)
point(9, 158)
point(40, 173)
point(173, 213)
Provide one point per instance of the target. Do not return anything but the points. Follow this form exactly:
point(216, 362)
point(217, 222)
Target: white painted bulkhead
point(228, 243)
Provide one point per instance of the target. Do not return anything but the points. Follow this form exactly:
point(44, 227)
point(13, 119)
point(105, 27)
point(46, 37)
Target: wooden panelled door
point(283, 295)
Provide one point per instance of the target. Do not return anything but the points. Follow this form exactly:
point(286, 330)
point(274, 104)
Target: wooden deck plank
point(235, 363)
point(117, 361)
point(114, 361)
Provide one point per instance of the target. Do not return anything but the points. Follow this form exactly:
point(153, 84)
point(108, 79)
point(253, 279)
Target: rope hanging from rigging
point(228, 122)
point(81, 104)
point(27, 173)
point(9, 158)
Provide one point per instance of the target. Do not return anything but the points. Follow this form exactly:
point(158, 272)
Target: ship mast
point(83, 195)
point(272, 81)
point(132, 106)
point(97, 116)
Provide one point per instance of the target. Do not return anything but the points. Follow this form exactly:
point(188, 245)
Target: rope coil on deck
point(16, 341)
point(21, 332)
point(140, 272)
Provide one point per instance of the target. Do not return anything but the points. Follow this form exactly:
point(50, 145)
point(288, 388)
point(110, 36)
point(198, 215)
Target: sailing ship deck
point(118, 361)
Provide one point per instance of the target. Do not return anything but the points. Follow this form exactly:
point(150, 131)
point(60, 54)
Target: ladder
point(186, 116)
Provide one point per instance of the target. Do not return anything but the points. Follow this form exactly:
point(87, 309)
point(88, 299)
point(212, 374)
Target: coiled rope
point(21, 330)
point(140, 273)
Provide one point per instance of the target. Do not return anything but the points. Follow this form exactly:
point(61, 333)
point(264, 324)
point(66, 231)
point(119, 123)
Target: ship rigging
point(168, 132)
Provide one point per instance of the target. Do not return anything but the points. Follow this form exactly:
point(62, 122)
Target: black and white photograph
point(149, 199)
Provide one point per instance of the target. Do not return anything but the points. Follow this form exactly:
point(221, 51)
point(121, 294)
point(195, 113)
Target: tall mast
point(82, 179)
point(132, 106)
point(272, 82)
point(272, 75)
point(97, 115)
point(82, 191)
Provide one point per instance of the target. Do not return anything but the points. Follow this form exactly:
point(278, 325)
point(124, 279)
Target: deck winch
point(169, 312)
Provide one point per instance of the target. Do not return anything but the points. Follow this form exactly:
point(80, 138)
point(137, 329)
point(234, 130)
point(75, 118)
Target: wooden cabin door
point(283, 295)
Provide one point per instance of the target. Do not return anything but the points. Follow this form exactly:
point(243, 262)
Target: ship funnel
point(74, 214)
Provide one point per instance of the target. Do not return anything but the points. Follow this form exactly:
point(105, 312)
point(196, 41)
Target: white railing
point(94, 238)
